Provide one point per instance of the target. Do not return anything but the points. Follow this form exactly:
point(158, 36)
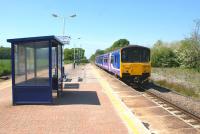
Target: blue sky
point(100, 22)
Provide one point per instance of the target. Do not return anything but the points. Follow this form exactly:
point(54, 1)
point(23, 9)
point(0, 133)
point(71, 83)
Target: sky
point(99, 22)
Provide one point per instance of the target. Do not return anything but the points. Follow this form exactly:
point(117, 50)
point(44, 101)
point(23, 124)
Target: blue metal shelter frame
point(29, 88)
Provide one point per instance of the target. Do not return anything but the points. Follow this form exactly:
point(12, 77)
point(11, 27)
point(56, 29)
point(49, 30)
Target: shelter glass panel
point(19, 64)
point(32, 64)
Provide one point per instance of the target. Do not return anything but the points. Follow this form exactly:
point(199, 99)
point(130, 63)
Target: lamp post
point(80, 54)
point(74, 57)
point(75, 53)
point(63, 30)
point(64, 20)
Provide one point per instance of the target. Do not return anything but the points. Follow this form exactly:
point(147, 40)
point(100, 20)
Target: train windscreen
point(135, 54)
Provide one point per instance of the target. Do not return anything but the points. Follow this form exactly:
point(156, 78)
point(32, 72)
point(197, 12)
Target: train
point(131, 63)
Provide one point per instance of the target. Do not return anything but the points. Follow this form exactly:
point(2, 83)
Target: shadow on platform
point(71, 86)
point(78, 97)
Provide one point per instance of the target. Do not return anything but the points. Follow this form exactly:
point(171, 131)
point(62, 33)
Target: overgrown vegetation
point(184, 53)
point(116, 45)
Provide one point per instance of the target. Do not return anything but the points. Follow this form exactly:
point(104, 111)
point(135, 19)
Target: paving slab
point(165, 123)
point(129, 93)
point(151, 111)
point(140, 101)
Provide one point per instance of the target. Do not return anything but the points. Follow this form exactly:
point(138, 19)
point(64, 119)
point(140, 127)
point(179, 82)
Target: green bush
point(163, 56)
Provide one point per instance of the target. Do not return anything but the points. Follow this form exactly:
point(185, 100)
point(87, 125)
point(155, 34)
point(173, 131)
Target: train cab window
point(136, 54)
point(124, 56)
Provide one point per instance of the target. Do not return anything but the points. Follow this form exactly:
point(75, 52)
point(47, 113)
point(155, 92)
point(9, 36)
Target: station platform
point(87, 105)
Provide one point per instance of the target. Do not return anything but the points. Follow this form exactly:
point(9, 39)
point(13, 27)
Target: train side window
point(112, 59)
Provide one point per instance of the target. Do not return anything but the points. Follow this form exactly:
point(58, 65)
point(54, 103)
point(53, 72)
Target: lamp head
point(72, 16)
point(55, 15)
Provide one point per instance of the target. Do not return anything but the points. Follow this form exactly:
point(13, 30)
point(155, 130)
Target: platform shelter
point(36, 69)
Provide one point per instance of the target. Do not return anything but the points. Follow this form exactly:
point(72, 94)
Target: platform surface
point(83, 108)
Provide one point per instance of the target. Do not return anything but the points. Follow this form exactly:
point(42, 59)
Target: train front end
point(135, 64)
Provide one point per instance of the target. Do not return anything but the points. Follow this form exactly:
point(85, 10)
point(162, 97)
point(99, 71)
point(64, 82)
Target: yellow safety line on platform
point(123, 113)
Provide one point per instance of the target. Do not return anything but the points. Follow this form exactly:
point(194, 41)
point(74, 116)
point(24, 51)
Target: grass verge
point(178, 88)
point(183, 81)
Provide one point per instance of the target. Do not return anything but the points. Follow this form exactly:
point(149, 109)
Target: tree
point(119, 44)
point(99, 52)
point(195, 34)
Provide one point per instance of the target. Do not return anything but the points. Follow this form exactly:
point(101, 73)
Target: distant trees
point(5, 64)
point(69, 54)
point(5, 52)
